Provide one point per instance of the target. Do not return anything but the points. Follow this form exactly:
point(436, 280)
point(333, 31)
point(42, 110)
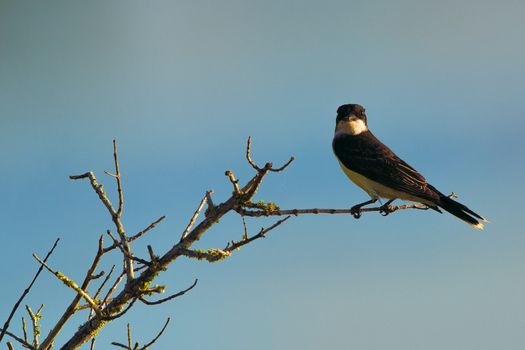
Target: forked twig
point(26, 291)
point(71, 284)
point(268, 166)
point(182, 292)
point(136, 346)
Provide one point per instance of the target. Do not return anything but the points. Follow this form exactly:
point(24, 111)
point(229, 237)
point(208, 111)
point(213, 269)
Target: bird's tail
point(462, 212)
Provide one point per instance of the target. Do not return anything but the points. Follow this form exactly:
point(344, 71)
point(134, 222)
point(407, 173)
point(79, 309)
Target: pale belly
point(376, 190)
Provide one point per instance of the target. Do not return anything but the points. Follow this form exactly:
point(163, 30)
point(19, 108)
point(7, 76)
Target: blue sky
point(181, 84)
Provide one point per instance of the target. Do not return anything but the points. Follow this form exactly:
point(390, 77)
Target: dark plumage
point(364, 158)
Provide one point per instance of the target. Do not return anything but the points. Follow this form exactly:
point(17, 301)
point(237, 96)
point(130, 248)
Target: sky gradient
point(181, 85)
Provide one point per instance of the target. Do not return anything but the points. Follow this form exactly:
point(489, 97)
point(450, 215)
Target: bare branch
point(98, 275)
point(262, 233)
point(195, 216)
point(119, 184)
point(234, 181)
point(278, 170)
point(93, 340)
point(120, 314)
point(71, 284)
point(99, 189)
point(136, 287)
point(211, 210)
point(151, 226)
point(295, 212)
point(26, 291)
point(152, 255)
point(121, 345)
point(136, 346)
point(245, 228)
point(170, 297)
point(274, 211)
point(114, 287)
point(249, 154)
point(115, 214)
point(24, 328)
point(158, 335)
point(71, 309)
point(138, 235)
point(99, 290)
point(20, 340)
point(211, 255)
point(35, 318)
point(128, 256)
point(10, 346)
point(129, 337)
point(268, 166)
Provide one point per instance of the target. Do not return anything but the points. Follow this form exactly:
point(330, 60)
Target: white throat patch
point(351, 127)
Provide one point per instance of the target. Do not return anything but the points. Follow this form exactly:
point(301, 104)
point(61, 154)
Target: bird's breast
point(377, 190)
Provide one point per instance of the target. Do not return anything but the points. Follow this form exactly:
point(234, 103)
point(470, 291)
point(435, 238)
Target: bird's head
point(351, 119)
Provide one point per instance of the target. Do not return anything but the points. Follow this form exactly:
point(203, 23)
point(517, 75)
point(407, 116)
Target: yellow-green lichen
point(267, 207)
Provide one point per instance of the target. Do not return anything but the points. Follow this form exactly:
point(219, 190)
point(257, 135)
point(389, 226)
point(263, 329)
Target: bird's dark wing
point(366, 155)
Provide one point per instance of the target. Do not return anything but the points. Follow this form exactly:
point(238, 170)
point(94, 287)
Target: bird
point(382, 174)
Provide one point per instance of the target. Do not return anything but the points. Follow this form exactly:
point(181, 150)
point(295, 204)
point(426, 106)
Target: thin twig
point(115, 214)
point(93, 340)
point(262, 233)
point(249, 154)
point(98, 188)
point(26, 291)
point(152, 255)
point(245, 228)
point(195, 216)
point(234, 181)
point(126, 254)
point(151, 226)
point(34, 320)
point(129, 336)
point(295, 212)
point(278, 170)
point(269, 166)
point(211, 209)
point(24, 328)
point(20, 340)
point(99, 290)
point(71, 284)
point(182, 292)
point(98, 275)
point(72, 308)
point(278, 212)
point(157, 337)
point(119, 184)
point(113, 287)
point(120, 314)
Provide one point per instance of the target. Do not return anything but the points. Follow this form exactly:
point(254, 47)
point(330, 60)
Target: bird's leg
point(385, 208)
point(356, 209)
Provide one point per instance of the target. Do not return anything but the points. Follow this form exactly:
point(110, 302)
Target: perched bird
point(381, 173)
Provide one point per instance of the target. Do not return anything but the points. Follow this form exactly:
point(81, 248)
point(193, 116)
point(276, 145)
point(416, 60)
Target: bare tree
point(118, 292)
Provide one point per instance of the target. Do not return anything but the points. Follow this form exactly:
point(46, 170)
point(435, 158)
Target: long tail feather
point(462, 212)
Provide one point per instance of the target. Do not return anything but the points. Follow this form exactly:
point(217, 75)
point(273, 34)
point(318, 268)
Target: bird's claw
point(356, 212)
point(385, 210)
